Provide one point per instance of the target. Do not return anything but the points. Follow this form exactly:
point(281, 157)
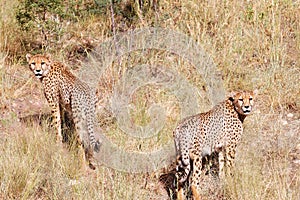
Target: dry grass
point(254, 44)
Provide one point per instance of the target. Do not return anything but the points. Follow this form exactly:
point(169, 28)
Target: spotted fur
point(216, 131)
point(64, 90)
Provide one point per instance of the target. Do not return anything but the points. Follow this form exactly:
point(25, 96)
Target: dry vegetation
point(254, 45)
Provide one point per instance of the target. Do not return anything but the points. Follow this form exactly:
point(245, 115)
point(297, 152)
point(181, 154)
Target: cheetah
point(63, 90)
point(216, 131)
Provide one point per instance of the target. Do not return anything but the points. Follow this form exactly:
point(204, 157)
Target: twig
point(114, 35)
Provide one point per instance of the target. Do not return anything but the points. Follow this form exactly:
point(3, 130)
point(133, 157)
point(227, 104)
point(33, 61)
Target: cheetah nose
point(246, 107)
point(38, 70)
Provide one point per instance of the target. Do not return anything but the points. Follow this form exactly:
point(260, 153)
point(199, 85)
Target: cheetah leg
point(230, 155)
point(180, 194)
point(82, 150)
point(221, 165)
point(80, 126)
point(56, 121)
point(197, 166)
point(196, 195)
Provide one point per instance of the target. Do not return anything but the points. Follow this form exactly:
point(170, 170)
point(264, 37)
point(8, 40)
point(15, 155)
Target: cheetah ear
point(231, 96)
point(48, 56)
point(28, 56)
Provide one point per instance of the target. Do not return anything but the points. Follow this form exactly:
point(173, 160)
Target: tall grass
point(254, 44)
point(34, 166)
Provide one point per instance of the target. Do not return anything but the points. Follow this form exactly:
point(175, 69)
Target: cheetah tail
point(97, 146)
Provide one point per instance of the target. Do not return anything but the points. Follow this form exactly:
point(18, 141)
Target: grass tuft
point(253, 44)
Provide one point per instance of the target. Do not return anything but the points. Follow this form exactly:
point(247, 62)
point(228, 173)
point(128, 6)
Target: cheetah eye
point(42, 63)
point(33, 63)
point(250, 98)
point(241, 100)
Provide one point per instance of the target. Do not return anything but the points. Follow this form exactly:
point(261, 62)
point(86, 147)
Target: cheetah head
point(243, 101)
point(39, 64)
